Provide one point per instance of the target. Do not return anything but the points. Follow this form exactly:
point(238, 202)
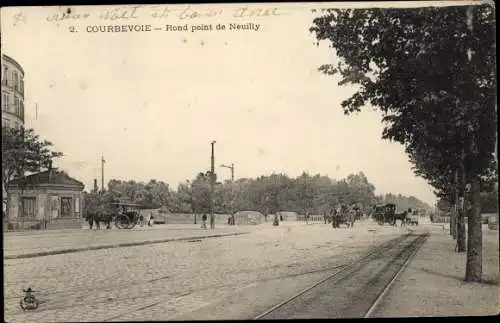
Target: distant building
point(12, 93)
point(51, 197)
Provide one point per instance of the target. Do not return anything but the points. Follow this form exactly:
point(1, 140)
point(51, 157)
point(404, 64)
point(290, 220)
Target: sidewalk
point(40, 243)
point(432, 284)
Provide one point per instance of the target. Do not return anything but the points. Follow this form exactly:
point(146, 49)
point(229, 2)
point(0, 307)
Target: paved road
point(231, 278)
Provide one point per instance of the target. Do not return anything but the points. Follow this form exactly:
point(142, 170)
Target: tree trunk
point(474, 265)
point(461, 203)
point(460, 231)
point(453, 222)
point(454, 214)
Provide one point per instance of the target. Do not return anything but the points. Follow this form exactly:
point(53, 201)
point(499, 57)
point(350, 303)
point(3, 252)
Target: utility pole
point(102, 174)
point(232, 190)
point(212, 184)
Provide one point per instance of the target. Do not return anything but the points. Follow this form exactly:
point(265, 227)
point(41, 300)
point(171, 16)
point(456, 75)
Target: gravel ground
point(432, 284)
point(167, 281)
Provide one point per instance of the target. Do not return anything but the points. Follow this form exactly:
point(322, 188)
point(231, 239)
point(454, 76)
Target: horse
point(403, 217)
point(96, 219)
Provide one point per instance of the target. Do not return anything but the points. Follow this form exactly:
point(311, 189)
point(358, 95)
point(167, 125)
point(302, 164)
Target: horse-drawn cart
point(385, 214)
point(126, 215)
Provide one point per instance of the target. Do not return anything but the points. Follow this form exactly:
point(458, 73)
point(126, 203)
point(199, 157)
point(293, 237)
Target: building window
point(77, 205)
point(54, 206)
point(28, 205)
point(9, 103)
point(16, 81)
point(5, 102)
point(65, 206)
point(22, 86)
point(16, 105)
point(5, 75)
point(22, 109)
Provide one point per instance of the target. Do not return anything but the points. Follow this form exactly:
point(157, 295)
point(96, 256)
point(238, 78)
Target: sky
point(151, 102)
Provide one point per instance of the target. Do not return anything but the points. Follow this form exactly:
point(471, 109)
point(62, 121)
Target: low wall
point(182, 218)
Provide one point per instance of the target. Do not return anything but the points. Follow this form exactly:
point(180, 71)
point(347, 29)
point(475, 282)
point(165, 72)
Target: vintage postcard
point(249, 161)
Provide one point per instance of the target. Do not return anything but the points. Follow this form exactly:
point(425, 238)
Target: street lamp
point(232, 190)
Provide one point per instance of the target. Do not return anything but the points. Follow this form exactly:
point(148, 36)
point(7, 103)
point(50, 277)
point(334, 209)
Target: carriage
point(385, 213)
point(125, 215)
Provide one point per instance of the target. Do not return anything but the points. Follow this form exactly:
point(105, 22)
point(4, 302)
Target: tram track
point(355, 289)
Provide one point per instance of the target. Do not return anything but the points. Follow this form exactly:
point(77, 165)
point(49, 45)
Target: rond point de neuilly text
point(173, 28)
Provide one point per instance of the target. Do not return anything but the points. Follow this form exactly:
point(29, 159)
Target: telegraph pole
point(212, 184)
point(232, 190)
point(102, 174)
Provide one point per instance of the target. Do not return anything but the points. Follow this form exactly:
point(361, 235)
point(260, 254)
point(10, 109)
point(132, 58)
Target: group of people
point(342, 214)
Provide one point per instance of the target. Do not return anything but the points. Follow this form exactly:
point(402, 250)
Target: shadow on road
point(491, 282)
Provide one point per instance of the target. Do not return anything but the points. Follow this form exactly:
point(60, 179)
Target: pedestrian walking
point(204, 221)
point(276, 221)
point(150, 220)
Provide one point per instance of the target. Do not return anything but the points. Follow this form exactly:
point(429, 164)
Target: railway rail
point(354, 290)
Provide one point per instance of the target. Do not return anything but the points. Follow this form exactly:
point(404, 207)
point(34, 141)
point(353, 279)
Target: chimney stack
point(50, 171)
point(95, 185)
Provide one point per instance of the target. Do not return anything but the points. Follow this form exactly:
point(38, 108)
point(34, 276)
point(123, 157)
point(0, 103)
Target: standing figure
point(335, 218)
point(351, 217)
point(276, 220)
point(204, 221)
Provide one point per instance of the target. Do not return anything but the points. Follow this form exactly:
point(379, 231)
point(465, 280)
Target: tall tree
point(24, 151)
point(429, 71)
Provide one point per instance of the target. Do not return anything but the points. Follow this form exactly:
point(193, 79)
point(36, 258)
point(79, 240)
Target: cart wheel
point(121, 222)
point(21, 303)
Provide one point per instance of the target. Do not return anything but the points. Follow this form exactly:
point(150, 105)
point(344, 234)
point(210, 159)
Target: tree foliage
point(267, 194)
point(24, 151)
point(430, 72)
point(153, 194)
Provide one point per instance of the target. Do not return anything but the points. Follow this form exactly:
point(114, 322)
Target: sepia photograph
point(249, 161)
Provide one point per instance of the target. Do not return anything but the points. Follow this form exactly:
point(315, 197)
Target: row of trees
point(267, 194)
point(430, 71)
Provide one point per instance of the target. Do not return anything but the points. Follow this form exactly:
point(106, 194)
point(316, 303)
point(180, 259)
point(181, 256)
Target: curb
point(120, 245)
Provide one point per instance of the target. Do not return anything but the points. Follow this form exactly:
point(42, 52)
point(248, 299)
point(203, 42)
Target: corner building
point(12, 93)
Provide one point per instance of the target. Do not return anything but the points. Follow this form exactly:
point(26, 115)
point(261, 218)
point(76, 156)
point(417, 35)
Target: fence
point(312, 219)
